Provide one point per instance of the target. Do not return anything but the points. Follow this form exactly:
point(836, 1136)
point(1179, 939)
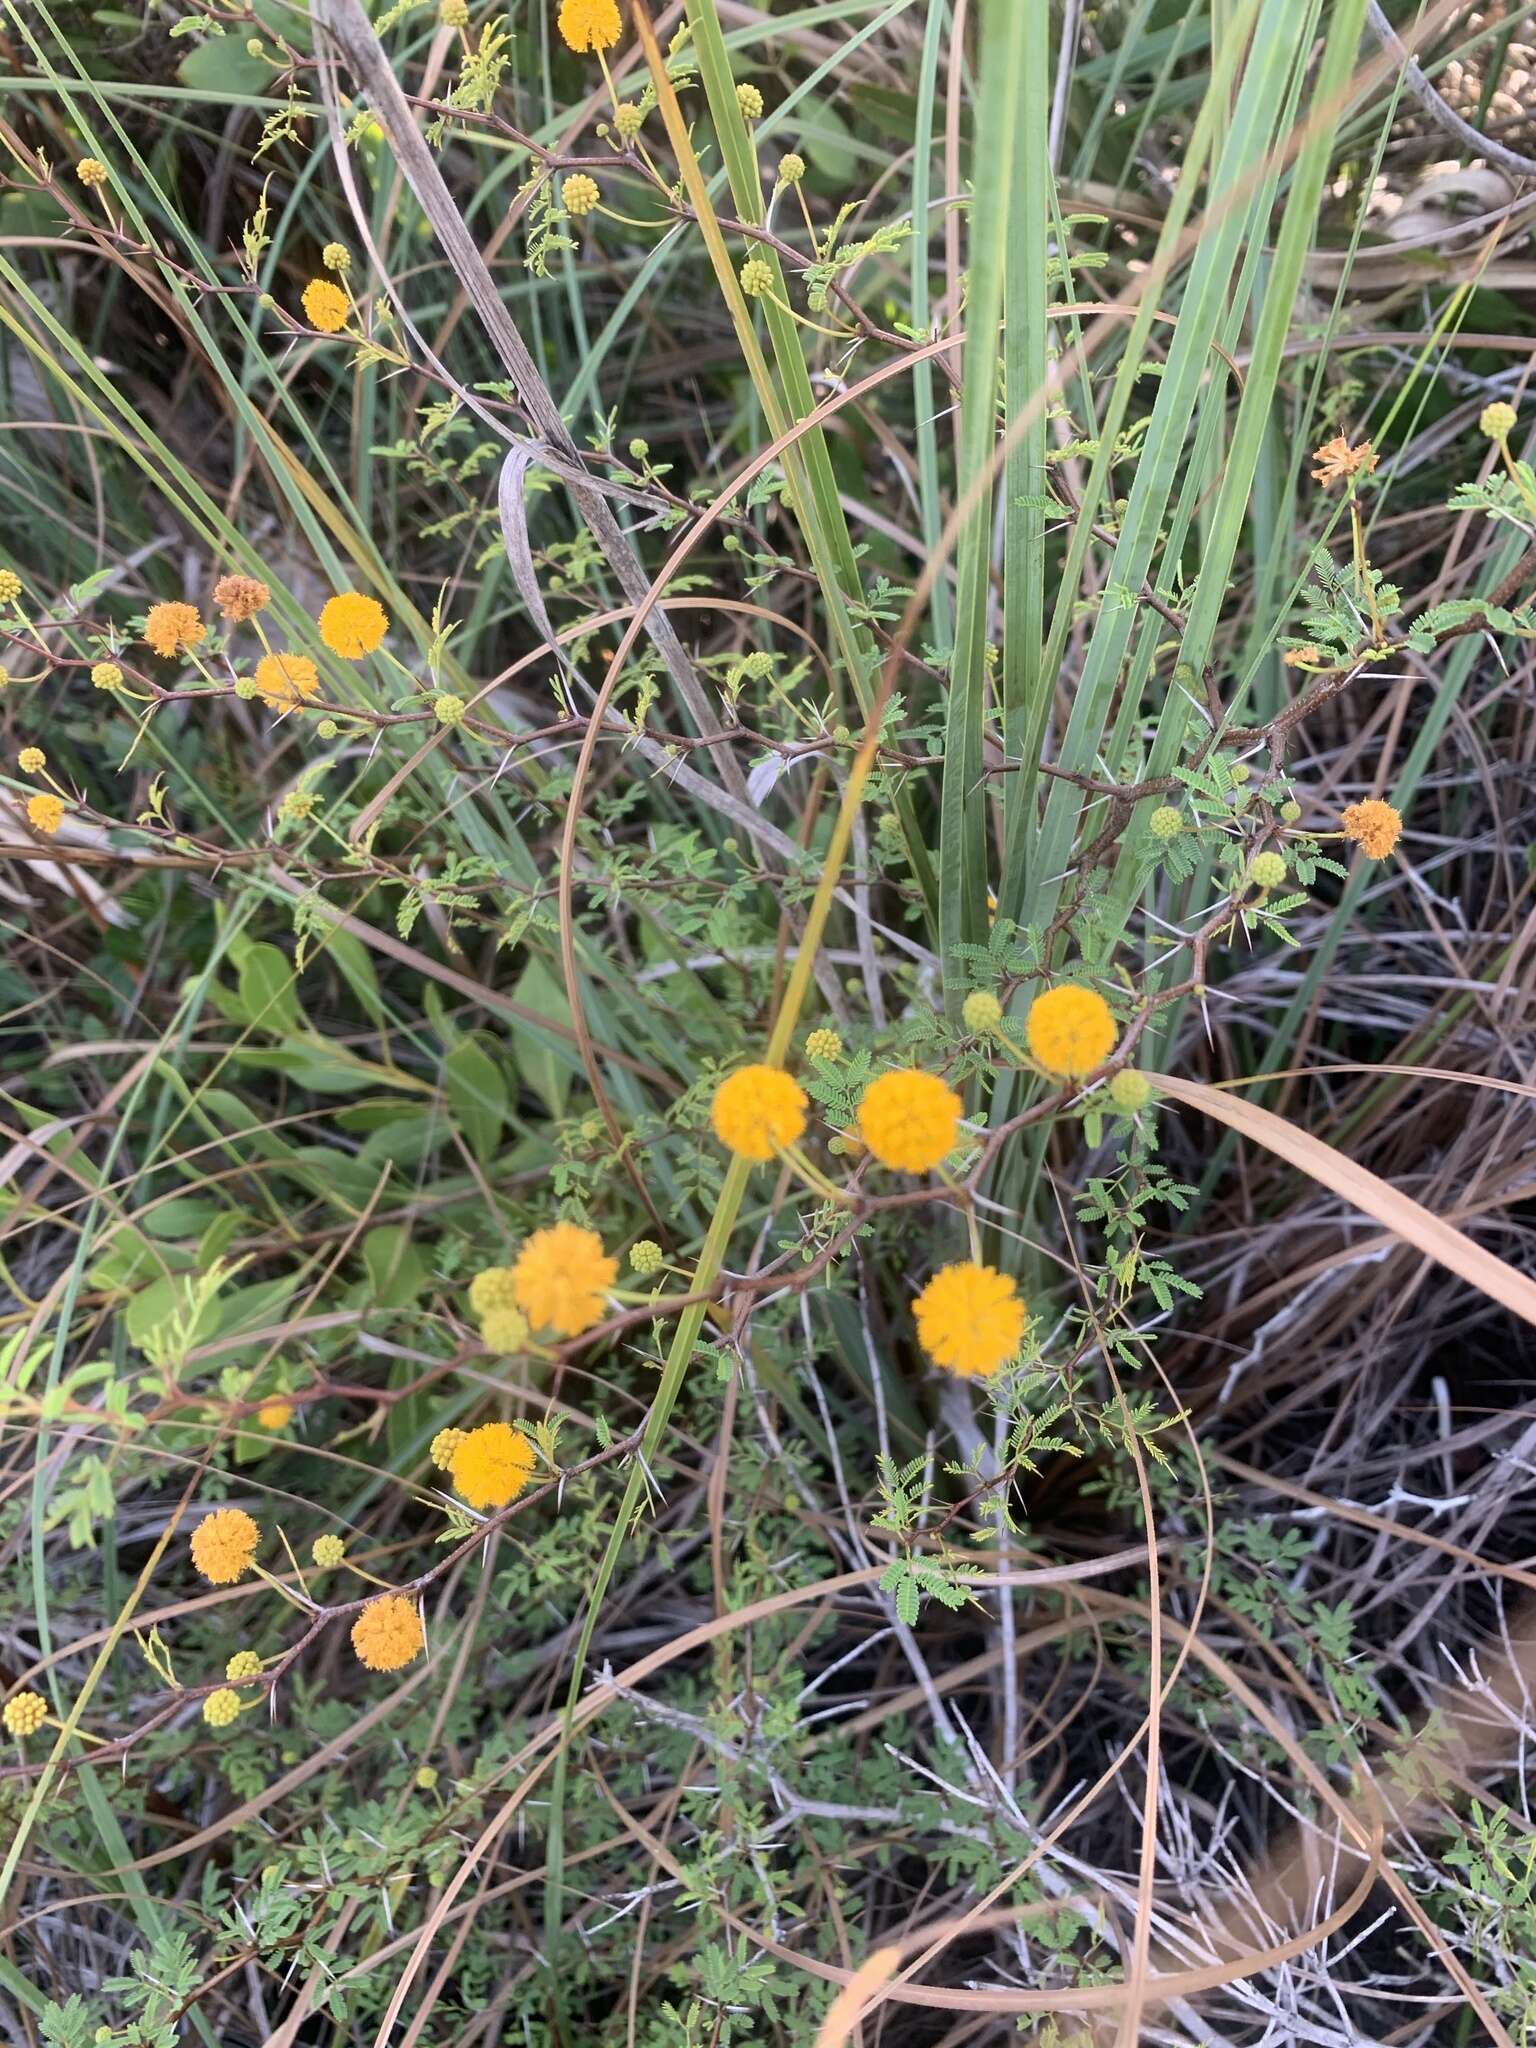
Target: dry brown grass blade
point(1330, 1168)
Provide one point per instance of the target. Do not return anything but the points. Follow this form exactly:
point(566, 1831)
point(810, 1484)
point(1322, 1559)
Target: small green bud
point(1497, 421)
point(327, 728)
point(646, 1256)
point(1165, 822)
point(1240, 771)
point(756, 277)
point(1130, 1090)
point(1290, 810)
point(328, 1551)
point(981, 1012)
point(1267, 870)
point(750, 101)
point(448, 708)
point(426, 1779)
point(791, 168)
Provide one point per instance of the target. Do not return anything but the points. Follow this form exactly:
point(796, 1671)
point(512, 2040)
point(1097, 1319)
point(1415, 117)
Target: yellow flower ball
point(560, 1278)
point(388, 1633)
point(173, 628)
point(45, 812)
point(243, 1664)
point(590, 24)
point(1497, 421)
point(443, 1446)
point(757, 1111)
point(970, 1319)
point(352, 625)
point(31, 760)
point(283, 681)
point(275, 1414)
point(909, 1120)
point(1374, 826)
point(224, 1546)
point(91, 171)
point(25, 1714)
point(10, 586)
point(1070, 1030)
point(492, 1465)
point(823, 1045)
point(326, 305)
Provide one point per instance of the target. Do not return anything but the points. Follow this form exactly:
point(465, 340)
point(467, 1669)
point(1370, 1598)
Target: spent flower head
point(1374, 826)
point(241, 597)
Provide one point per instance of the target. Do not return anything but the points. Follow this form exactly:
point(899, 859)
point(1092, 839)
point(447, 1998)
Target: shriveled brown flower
point(241, 597)
point(1301, 657)
point(1337, 462)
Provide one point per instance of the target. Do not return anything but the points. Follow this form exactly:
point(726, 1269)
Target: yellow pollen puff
point(492, 1465)
point(275, 1414)
point(1070, 1030)
point(31, 760)
point(388, 1633)
point(757, 1111)
point(224, 1546)
point(45, 812)
point(173, 628)
point(580, 193)
point(1374, 826)
point(560, 1278)
point(909, 1120)
point(326, 305)
point(590, 24)
point(283, 681)
point(352, 625)
point(25, 1714)
point(443, 1446)
point(970, 1319)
